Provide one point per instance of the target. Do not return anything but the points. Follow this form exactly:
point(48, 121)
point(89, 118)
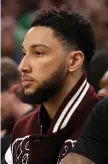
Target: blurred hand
point(6, 105)
point(3, 132)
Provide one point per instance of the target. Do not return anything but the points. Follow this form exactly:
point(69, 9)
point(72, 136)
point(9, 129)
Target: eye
point(38, 53)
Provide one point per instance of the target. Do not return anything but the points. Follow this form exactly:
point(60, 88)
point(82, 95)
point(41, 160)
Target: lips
point(26, 81)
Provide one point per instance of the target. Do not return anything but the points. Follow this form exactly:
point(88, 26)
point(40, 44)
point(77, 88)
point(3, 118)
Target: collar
point(67, 108)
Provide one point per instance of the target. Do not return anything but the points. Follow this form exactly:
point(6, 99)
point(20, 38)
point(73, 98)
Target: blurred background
point(16, 17)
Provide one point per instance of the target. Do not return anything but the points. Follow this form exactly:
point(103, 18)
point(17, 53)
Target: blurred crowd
point(16, 18)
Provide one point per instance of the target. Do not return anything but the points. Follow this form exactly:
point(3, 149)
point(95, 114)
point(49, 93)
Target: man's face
point(44, 66)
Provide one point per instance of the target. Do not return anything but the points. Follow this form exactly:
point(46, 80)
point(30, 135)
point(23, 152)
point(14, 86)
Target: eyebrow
point(36, 45)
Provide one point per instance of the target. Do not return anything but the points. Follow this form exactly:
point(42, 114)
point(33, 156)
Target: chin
point(28, 91)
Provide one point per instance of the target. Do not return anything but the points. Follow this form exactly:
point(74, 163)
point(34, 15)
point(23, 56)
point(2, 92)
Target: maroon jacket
point(38, 140)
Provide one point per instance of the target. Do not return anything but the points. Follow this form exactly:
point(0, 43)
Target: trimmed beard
point(48, 89)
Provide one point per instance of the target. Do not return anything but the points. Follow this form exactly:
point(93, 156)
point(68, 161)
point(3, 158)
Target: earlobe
point(76, 59)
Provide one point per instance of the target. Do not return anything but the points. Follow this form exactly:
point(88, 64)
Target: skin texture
point(50, 71)
point(40, 62)
point(73, 158)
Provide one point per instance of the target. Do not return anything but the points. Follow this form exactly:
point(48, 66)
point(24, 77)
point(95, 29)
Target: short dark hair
point(71, 27)
point(9, 73)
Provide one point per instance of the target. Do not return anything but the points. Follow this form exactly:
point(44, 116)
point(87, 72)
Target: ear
point(16, 88)
point(76, 59)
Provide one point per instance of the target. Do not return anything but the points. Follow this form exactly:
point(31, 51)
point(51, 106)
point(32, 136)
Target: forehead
point(40, 35)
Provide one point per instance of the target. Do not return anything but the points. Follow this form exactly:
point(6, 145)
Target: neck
point(53, 104)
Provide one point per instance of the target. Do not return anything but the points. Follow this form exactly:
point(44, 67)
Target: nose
point(24, 66)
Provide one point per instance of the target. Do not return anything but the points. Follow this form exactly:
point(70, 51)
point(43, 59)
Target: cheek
point(44, 67)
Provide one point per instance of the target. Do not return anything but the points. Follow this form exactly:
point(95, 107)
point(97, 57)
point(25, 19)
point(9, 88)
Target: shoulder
point(25, 125)
point(27, 119)
point(91, 98)
point(93, 141)
point(99, 113)
point(101, 108)
point(97, 123)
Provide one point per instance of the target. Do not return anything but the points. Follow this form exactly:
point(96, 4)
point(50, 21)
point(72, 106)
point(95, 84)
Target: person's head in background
point(99, 18)
point(56, 49)
point(97, 72)
point(8, 40)
point(11, 106)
